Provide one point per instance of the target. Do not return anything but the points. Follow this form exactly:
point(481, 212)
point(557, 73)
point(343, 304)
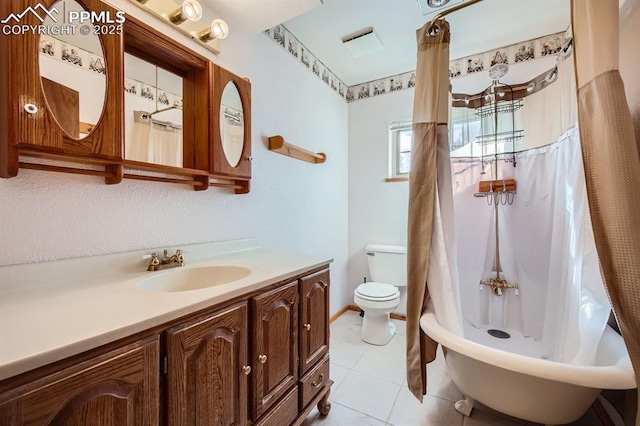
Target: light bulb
point(218, 29)
point(190, 10)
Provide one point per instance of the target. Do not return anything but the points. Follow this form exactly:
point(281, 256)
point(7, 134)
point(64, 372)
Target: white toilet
point(379, 297)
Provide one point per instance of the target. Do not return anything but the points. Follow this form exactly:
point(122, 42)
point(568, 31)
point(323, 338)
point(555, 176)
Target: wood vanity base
point(258, 359)
point(321, 400)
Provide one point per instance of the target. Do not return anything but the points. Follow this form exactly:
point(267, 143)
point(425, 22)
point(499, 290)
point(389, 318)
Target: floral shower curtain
point(431, 268)
point(610, 156)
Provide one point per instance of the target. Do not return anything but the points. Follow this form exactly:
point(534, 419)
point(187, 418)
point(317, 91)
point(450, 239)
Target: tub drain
point(499, 333)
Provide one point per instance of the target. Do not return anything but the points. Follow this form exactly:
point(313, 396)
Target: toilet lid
point(377, 291)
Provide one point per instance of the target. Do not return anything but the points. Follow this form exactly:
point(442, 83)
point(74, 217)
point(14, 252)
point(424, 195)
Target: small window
point(466, 131)
point(400, 135)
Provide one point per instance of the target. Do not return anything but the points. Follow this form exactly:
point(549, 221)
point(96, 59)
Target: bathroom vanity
point(106, 350)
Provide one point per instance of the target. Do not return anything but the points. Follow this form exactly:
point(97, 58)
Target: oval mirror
point(231, 124)
point(73, 73)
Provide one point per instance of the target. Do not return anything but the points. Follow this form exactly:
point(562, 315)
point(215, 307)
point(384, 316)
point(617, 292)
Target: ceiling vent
point(431, 7)
point(362, 43)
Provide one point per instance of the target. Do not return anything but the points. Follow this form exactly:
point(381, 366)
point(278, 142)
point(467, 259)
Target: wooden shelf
point(277, 144)
point(397, 179)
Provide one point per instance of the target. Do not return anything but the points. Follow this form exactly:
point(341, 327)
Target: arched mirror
point(73, 73)
point(232, 124)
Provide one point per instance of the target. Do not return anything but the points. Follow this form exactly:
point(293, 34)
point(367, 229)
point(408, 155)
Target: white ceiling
point(255, 16)
point(478, 28)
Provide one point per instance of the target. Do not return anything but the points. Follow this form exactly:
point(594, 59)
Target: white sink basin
point(185, 279)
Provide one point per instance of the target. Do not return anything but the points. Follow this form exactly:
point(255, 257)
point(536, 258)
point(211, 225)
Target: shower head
point(497, 71)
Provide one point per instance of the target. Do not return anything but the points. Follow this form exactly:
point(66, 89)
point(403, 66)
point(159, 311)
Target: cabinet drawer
point(283, 413)
point(314, 381)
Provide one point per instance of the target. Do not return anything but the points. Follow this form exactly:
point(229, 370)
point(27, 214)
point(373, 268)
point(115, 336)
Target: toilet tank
point(387, 264)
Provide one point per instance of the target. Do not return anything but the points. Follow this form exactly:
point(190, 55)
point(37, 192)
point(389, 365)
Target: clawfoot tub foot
point(464, 406)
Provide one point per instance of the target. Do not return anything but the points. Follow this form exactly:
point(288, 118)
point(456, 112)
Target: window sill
point(397, 179)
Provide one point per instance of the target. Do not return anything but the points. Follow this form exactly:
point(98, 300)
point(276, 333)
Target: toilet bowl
point(377, 300)
point(379, 297)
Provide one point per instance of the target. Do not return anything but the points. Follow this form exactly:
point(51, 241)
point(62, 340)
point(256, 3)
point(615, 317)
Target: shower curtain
point(154, 142)
point(431, 267)
point(611, 163)
point(546, 247)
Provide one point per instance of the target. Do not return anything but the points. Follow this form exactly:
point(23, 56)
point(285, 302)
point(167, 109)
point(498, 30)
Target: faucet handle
point(180, 256)
point(154, 262)
point(149, 256)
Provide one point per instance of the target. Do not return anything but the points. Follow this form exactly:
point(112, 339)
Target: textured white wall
point(292, 205)
point(378, 210)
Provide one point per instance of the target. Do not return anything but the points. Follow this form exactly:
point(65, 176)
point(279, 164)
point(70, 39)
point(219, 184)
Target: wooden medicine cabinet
point(126, 102)
point(166, 111)
point(45, 80)
point(231, 137)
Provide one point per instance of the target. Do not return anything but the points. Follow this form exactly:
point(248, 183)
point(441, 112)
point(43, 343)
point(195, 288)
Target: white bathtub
point(533, 389)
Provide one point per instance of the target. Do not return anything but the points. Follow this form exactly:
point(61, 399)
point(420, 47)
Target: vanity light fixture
point(217, 30)
point(185, 16)
point(190, 10)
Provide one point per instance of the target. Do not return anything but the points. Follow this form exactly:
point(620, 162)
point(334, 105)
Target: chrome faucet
point(166, 261)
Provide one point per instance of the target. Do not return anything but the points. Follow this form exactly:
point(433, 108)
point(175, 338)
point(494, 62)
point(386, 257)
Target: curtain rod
point(451, 10)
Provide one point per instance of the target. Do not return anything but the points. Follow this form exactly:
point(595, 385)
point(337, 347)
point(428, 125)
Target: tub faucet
point(166, 261)
point(498, 286)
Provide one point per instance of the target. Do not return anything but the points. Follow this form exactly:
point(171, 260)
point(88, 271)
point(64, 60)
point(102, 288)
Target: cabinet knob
point(262, 358)
point(307, 327)
point(246, 369)
point(31, 108)
point(319, 381)
point(249, 158)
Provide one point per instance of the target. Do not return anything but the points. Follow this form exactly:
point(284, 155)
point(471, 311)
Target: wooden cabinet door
point(275, 346)
point(120, 388)
point(38, 132)
point(207, 370)
point(314, 319)
point(219, 163)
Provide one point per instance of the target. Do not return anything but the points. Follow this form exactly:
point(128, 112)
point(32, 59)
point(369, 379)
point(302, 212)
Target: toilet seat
point(377, 292)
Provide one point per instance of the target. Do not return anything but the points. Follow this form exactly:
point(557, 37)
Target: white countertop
point(54, 310)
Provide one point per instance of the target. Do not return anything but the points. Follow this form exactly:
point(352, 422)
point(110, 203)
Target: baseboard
point(398, 317)
point(338, 314)
point(355, 308)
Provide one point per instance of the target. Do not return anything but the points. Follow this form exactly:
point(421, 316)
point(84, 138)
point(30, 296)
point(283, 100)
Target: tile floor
point(370, 387)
